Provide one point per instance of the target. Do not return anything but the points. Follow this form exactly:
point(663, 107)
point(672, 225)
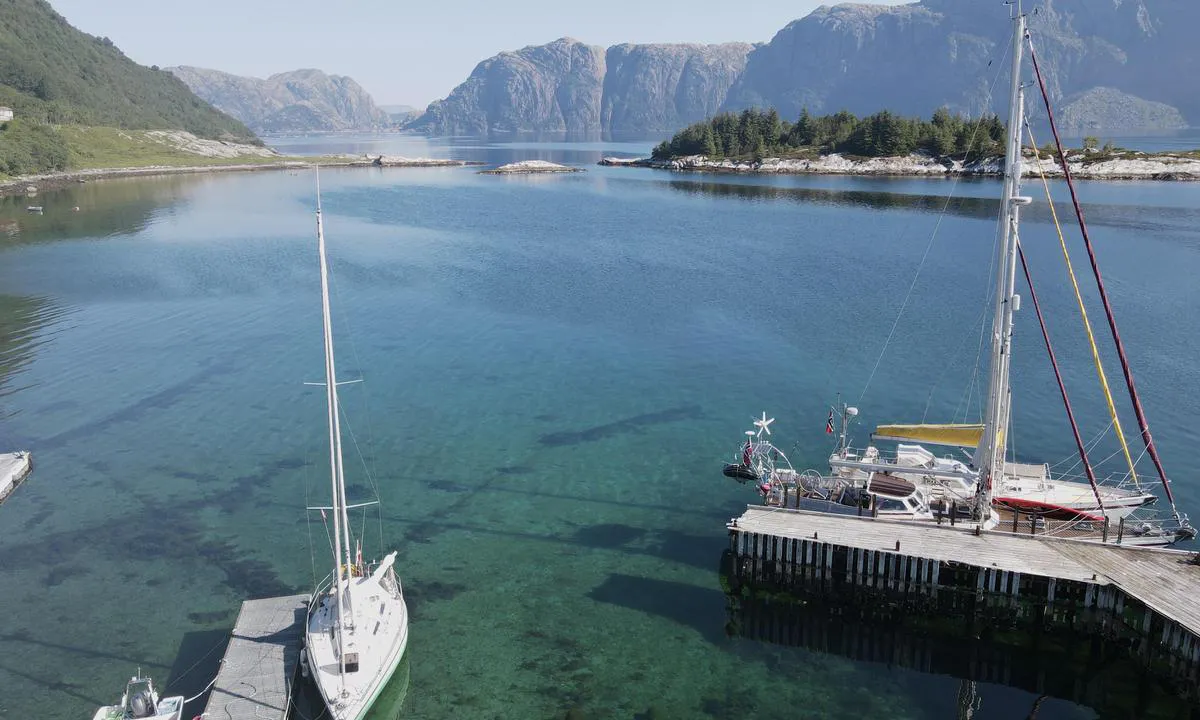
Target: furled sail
point(954, 435)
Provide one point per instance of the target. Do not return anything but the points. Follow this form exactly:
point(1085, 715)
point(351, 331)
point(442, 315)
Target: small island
point(531, 166)
point(756, 141)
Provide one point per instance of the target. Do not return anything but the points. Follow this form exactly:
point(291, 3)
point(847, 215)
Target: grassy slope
point(103, 147)
point(51, 72)
point(58, 79)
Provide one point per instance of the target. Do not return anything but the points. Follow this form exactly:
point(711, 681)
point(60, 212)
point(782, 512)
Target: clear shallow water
point(555, 367)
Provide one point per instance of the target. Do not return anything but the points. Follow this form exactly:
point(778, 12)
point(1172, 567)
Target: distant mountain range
point(1112, 66)
point(296, 101)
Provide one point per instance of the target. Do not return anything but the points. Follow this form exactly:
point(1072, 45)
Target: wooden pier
point(257, 672)
point(14, 467)
point(1142, 598)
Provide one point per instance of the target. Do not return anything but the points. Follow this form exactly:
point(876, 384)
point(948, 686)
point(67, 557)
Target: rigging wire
point(1091, 445)
point(369, 471)
point(1087, 324)
point(312, 552)
point(933, 236)
point(1037, 307)
point(1112, 322)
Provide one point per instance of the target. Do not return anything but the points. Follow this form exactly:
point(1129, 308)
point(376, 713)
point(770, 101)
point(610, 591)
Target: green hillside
point(52, 74)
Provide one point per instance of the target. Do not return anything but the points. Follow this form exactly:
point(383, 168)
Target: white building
point(6, 114)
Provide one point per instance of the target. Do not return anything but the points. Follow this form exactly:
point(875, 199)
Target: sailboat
point(984, 488)
point(357, 625)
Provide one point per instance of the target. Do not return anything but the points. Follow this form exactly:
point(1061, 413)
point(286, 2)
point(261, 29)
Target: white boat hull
point(377, 634)
point(1022, 483)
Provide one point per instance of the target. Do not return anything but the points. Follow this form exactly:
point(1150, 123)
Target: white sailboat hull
point(377, 635)
point(1022, 484)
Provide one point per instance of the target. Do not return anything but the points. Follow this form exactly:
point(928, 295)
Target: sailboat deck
point(1164, 580)
point(255, 680)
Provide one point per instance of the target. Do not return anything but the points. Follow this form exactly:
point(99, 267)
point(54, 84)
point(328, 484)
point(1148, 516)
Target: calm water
point(554, 369)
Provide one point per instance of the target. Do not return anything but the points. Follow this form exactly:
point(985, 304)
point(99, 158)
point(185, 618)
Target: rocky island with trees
point(885, 143)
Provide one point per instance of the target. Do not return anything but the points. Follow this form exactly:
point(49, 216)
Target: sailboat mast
point(335, 440)
point(991, 459)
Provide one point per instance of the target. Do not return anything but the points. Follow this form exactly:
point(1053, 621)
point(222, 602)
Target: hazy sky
point(403, 51)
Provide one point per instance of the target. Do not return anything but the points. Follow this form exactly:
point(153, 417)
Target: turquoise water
point(554, 369)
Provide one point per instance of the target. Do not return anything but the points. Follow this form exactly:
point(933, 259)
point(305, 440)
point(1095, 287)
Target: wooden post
point(1121, 530)
point(1016, 519)
point(1104, 532)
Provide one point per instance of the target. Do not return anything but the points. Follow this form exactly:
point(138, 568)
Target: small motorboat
point(141, 701)
point(34, 209)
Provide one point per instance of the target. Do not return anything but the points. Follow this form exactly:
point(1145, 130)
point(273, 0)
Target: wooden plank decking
point(1164, 580)
point(255, 680)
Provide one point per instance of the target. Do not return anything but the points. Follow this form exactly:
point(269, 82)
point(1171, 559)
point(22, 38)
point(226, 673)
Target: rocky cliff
point(554, 88)
point(1111, 65)
point(296, 101)
point(584, 90)
point(661, 88)
point(914, 58)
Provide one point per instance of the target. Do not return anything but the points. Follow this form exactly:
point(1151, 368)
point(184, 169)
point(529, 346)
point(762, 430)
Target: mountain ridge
point(301, 100)
point(1114, 66)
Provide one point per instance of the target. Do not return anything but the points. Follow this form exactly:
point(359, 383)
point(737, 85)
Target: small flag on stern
point(829, 423)
point(747, 451)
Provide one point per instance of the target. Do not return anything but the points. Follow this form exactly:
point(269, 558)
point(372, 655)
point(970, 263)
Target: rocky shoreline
point(58, 180)
point(531, 166)
point(1124, 165)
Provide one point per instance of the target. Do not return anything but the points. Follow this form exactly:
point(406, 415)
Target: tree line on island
point(755, 134)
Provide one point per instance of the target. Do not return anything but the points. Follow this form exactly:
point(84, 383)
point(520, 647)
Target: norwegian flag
point(829, 423)
point(747, 451)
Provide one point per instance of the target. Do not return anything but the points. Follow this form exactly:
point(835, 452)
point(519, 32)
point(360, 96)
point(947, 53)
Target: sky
point(405, 52)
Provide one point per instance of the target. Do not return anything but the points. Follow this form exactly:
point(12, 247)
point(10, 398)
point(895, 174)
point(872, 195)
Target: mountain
point(584, 90)
point(657, 88)
point(543, 88)
point(1110, 65)
point(52, 73)
point(296, 101)
point(914, 58)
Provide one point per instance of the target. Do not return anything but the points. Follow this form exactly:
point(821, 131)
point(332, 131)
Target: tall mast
point(337, 480)
point(990, 460)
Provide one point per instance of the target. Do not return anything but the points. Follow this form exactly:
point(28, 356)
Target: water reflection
point(495, 151)
point(1159, 219)
point(1089, 672)
point(22, 324)
point(118, 206)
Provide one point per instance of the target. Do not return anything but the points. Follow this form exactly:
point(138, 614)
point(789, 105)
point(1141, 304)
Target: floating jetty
point(256, 676)
point(1141, 598)
point(14, 467)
